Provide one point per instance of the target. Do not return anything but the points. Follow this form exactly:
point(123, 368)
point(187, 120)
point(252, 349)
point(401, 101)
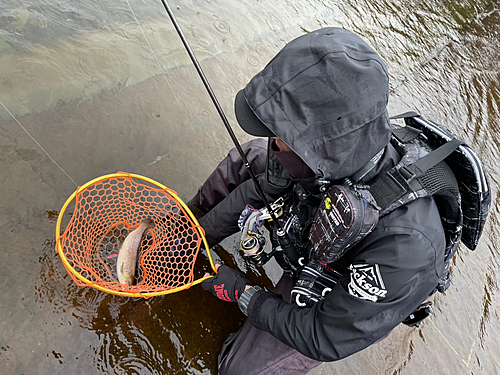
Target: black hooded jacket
point(325, 96)
point(402, 258)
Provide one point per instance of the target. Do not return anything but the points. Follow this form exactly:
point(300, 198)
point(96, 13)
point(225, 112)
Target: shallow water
point(92, 88)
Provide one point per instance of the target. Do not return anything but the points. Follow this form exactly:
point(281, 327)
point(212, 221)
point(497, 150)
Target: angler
point(321, 102)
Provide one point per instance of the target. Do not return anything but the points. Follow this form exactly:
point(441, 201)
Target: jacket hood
point(325, 95)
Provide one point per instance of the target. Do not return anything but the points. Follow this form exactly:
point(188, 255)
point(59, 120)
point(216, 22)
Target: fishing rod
point(283, 238)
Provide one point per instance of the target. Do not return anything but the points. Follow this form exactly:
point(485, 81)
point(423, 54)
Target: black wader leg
point(251, 351)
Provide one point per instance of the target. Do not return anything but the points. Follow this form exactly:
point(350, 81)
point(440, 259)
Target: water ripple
point(222, 26)
point(128, 351)
point(100, 62)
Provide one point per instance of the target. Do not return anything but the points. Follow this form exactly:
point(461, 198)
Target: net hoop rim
point(128, 294)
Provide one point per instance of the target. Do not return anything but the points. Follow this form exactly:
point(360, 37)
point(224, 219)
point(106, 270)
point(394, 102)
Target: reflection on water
point(169, 334)
point(105, 87)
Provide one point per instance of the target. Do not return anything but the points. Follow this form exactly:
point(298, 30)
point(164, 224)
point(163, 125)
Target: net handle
point(129, 294)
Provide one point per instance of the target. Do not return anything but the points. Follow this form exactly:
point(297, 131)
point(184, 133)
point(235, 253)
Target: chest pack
point(434, 162)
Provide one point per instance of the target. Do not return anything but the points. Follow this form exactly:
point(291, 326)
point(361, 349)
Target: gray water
point(91, 88)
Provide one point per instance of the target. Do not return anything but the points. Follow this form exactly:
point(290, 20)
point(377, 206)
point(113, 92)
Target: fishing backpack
point(435, 162)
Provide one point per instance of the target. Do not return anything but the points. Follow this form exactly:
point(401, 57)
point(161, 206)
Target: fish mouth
point(126, 278)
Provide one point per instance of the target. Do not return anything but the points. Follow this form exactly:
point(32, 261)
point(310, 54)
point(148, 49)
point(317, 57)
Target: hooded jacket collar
point(325, 96)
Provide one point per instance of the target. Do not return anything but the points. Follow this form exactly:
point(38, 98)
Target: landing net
point(106, 210)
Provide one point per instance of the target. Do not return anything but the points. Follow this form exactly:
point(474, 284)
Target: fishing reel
point(252, 223)
point(253, 246)
point(254, 239)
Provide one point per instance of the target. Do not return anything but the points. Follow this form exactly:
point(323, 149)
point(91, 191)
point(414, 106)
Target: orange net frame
point(106, 210)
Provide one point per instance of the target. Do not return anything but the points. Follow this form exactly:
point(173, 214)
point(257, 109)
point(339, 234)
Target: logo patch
point(366, 282)
point(328, 203)
point(222, 293)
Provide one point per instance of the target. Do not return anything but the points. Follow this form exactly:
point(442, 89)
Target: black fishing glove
point(228, 285)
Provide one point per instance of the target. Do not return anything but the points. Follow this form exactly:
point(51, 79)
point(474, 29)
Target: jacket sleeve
point(230, 188)
point(230, 173)
point(222, 220)
point(392, 271)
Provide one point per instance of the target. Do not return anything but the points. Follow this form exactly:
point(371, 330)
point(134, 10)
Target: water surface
point(107, 86)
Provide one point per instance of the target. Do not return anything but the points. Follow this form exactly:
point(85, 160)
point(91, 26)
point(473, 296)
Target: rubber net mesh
point(106, 212)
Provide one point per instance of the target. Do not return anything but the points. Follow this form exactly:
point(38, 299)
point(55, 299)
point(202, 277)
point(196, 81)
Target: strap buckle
point(421, 313)
point(407, 174)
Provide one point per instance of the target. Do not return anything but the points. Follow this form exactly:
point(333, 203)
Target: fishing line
point(158, 62)
point(39, 145)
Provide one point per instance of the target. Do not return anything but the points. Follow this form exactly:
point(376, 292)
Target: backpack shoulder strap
point(422, 165)
point(405, 183)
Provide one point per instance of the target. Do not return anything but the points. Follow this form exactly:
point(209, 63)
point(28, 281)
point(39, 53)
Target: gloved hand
point(227, 285)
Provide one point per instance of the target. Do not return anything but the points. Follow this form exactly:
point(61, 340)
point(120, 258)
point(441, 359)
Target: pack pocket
point(345, 216)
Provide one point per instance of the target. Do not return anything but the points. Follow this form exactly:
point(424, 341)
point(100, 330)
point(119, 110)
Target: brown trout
point(127, 257)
